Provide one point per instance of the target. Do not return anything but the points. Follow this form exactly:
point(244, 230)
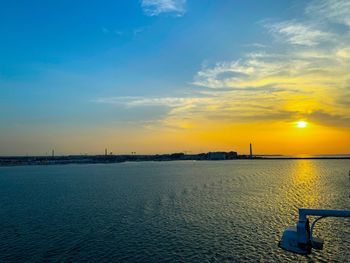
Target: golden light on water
point(305, 178)
point(301, 124)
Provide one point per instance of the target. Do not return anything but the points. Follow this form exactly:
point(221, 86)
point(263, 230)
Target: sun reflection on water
point(304, 189)
point(304, 172)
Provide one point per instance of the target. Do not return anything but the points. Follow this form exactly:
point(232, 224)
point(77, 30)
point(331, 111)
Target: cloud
point(215, 106)
point(234, 71)
point(266, 115)
point(157, 7)
point(139, 101)
point(255, 70)
point(325, 118)
point(336, 11)
point(299, 33)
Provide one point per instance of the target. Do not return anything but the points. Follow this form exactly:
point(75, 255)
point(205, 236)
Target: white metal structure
point(299, 239)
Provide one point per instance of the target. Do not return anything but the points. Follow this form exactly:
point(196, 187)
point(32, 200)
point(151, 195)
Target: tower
point(251, 151)
point(106, 151)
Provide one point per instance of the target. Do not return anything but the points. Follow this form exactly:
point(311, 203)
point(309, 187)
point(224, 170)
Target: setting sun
point(301, 124)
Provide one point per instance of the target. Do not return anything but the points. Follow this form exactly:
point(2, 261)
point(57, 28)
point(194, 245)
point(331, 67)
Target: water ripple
point(233, 211)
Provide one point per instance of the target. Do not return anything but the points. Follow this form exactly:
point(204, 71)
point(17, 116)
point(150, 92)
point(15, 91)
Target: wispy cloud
point(298, 33)
point(157, 7)
point(217, 105)
point(336, 11)
point(139, 101)
point(325, 118)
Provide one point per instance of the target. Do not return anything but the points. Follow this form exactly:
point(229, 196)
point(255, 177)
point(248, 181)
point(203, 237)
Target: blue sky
point(129, 66)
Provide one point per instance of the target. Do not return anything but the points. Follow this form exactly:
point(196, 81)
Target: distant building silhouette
point(251, 151)
point(231, 155)
point(216, 156)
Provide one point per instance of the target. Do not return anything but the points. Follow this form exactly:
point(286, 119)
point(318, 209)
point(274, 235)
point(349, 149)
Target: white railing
point(299, 239)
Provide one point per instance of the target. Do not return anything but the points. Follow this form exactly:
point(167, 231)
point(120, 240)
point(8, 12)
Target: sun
point(301, 124)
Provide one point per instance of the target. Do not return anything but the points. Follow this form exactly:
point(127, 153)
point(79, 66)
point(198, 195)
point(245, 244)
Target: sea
point(180, 211)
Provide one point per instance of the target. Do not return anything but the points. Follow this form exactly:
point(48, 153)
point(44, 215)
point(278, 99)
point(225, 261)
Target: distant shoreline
point(101, 159)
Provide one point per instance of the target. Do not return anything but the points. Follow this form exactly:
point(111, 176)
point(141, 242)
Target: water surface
point(222, 211)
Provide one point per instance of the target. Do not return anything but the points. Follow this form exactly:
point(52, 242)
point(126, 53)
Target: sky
point(161, 76)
